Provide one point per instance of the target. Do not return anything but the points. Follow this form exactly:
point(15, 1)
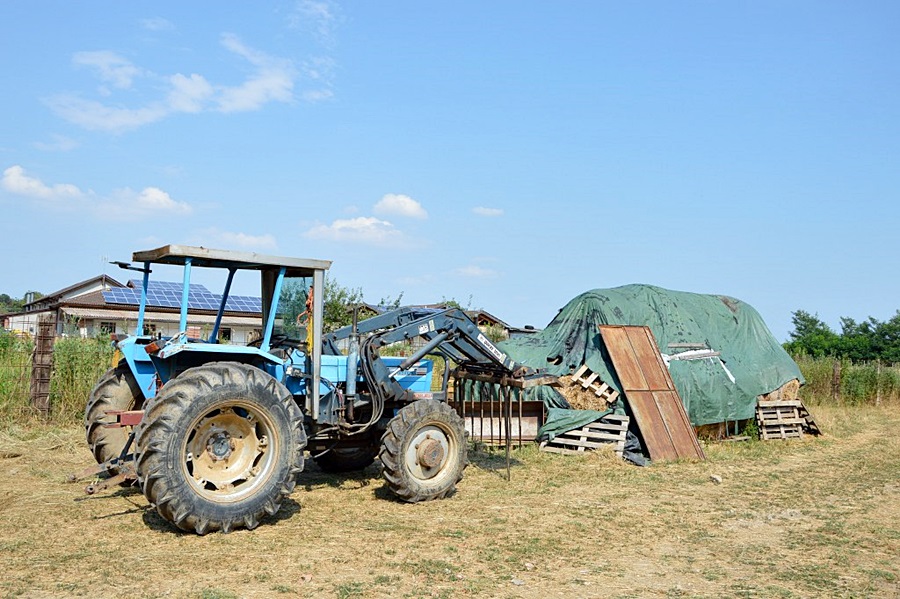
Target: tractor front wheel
point(116, 390)
point(220, 448)
point(423, 451)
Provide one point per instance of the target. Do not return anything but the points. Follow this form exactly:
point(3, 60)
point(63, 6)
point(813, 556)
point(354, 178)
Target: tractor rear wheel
point(423, 451)
point(116, 390)
point(220, 448)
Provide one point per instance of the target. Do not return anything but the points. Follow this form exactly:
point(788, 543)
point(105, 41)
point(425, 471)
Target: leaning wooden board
point(650, 393)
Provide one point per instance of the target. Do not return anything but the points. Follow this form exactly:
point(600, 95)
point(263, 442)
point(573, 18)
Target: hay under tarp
point(723, 388)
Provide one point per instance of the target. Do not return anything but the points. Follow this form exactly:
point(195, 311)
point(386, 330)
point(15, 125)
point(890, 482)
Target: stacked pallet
point(589, 380)
point(780, 419)
point(611, 429)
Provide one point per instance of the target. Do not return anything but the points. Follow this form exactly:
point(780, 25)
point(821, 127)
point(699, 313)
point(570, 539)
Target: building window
point(107, 327)
point(150, 329)
point(225, 335)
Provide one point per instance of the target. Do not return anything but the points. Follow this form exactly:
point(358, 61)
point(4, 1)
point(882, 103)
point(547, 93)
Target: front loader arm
point(449, 332)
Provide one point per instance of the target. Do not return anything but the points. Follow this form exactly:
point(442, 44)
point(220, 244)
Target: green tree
point(9, 304)
point(856, 339)
point(291, 305)
point(863, 341)
point(886, 339)
point(338, 304)
point(811, 336)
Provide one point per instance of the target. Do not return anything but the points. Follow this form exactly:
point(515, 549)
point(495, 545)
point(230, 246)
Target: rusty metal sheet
point(650, 393)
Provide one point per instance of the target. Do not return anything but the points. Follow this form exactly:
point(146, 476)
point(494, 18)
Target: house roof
point(51, 298)
point(94, 298)
point(479, 315)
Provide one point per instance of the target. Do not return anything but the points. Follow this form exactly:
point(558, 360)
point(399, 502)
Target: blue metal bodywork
point(156, 361)
point(291, 370)
point(139, 363)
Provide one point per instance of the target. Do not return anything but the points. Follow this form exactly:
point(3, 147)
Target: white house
point(103, 305)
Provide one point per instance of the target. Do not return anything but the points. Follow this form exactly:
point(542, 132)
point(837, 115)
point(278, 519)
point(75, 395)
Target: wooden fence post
point(836, 382)
point(878, 382)
point(42, 364)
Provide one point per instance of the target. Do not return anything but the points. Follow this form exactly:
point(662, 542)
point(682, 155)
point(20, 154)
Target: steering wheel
point(276, 340)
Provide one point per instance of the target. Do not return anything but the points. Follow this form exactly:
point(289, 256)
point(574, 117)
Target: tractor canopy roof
point(212, 258)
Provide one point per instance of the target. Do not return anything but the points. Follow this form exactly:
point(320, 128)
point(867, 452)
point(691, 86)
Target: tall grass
point(77, 365)
point(15, 378)
point(862, 383)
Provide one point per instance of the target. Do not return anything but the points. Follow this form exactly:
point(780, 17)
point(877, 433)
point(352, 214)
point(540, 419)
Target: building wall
point(228, 333)
point(239, 334)
point(25, 323)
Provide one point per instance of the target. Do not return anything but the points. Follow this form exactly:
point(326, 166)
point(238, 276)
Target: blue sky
point(510, 155)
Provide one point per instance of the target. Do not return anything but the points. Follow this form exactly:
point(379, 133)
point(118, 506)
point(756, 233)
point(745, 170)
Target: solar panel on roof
point(167, 294)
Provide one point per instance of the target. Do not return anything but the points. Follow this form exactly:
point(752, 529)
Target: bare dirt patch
point(819, 517)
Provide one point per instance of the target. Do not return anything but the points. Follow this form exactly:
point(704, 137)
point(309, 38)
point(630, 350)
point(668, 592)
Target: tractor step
point(124, 418)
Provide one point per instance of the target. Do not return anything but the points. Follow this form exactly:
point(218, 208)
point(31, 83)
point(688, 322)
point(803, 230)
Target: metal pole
point(215, 331)
point(143, 305)
point(185, 293)
point(504, 395)
point(316, 322)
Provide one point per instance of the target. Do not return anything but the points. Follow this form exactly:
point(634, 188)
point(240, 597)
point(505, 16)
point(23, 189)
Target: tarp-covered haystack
point(690, 329)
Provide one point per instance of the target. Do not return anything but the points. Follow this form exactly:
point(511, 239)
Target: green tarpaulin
point(681, 322)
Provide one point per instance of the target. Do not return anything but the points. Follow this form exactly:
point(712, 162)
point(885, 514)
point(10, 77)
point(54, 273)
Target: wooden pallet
point(588, 380)
point(780, 419)
point(611, 429)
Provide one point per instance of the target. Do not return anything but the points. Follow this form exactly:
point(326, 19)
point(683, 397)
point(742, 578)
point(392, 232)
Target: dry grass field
point(812, 518)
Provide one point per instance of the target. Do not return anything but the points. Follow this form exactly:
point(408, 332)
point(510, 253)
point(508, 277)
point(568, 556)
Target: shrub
point(77, 365)
point(860, 383)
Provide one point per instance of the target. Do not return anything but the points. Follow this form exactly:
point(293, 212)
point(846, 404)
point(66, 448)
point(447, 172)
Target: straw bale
point(788, 391)
point(579, 397)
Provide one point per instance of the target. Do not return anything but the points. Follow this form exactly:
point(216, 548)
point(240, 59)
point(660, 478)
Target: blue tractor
point(215, 434)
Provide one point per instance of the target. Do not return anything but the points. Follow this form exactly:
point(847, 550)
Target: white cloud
point(272, 79)
point(121, 204)
point(95, 116)
point(109, 66)
point(60, 143)
point(319, 71)
point(157, 24)
point(400, 205)
point(366, 230)
point(490, 212)
point(154, 199)
point(319, 16)
point(17, 182)
point(473, 271)
point(128, 204)
point(214, 237)
point(317, 95)
point(188, 94)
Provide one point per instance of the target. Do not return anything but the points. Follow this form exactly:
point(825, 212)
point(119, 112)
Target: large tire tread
point(409, 418)
point(117, 389)
point(175, 501)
